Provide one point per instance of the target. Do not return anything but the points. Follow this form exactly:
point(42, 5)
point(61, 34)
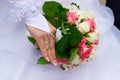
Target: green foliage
point(56, 23)
point(63, 55)
point(88, 43)
point(54, 13)
point(73, 53)
point(32, 40)
point(51, 8)
point(75, 5)
point(61, 48)
point(62, 13)
point(75, 36)
point(62, 44)
point(42, 61)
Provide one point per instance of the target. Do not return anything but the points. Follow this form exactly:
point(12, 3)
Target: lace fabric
point(16, 10)
point(4, 14)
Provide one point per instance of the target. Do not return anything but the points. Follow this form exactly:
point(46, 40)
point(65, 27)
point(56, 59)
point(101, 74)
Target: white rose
point(72, 8)
point(85, 14)
point(76, 61)
point(93, 54)
point(83, 27)
point(97, 31)
point(92, 36)
point(58, 35)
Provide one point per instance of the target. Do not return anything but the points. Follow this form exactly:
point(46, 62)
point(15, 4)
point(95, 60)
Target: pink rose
point(91, 22)
point(72, 17)
point(96, 42)
point(82, 43)
point(85, 50)
point(62, 61)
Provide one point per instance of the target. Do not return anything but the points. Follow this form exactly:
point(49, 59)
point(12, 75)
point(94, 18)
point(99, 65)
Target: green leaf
point(62, 44)
point(88, 43)
point(73, 53)
point(51, 8)
point(63, 55)
point(75, 5)
point(62, 51)
point(42, 61)
point(62, 14)
point(32, 40)
point(64, 31)
point(75, 36)
point(55, 23)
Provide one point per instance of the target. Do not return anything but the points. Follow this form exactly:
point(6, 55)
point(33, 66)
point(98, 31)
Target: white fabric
point(18, 56)
point(19, 10)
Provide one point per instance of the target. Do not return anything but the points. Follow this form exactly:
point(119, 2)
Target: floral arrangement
point(77, 36)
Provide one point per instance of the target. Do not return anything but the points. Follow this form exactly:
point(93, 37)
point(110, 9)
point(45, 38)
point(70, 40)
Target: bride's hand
point(45, 41)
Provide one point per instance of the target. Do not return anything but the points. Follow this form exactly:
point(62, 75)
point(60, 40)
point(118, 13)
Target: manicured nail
point(54, 63)
point(47, 59)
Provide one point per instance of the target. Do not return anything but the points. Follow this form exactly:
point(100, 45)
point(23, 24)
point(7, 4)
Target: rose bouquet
point(77, 35)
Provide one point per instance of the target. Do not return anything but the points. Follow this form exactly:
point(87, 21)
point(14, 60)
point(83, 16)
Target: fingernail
point(54, 63)
point(47, 59)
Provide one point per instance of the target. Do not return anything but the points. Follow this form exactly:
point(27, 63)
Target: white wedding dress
point(18, 56)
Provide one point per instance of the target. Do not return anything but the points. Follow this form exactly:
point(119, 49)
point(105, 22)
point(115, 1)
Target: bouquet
point(77, 36)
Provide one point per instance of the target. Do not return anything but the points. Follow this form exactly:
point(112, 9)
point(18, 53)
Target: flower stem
point(63, 28)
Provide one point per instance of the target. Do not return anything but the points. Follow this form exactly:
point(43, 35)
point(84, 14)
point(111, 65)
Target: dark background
point(115, 6)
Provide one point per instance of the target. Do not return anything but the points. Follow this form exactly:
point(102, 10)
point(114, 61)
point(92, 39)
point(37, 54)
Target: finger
point(52, 28)
point(49, 52)
point(43, 47)
point(52, 47)
point(36, 45)
point(48, 48)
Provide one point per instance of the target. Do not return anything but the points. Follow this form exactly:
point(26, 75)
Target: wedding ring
point(47, 43)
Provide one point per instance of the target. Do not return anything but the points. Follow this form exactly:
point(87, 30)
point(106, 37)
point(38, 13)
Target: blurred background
point(103, 2)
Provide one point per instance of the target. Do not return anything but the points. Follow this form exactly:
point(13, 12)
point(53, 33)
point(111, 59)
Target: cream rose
point(92, 36)
point(83, 27)
point(76, 60)
point(83, 14)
